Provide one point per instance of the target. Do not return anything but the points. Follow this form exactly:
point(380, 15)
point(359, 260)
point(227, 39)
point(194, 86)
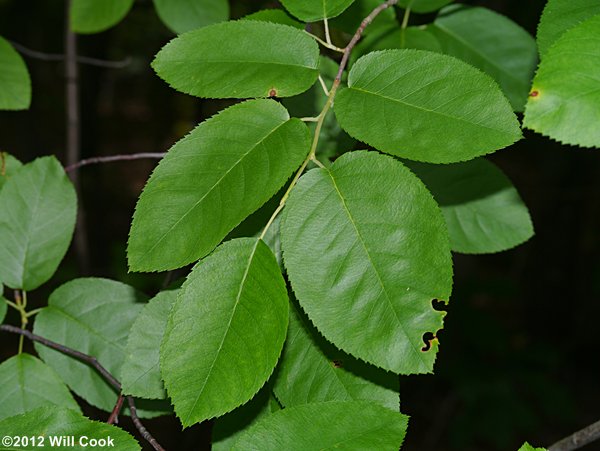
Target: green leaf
point(38, 206)
point(483, 210)
point(312, 370)
point(27, 383)
point(9, 165)
point(228, 428)
point(243, 156)
point(357, 264)
point(15, 84)
point(94, 16)
point(493, 43)
point(92, 316)
point(528, 447)
point(350, 19)
point(350, 425)
point(393, 37)
point(57, 422)
point(185, 15)
point(424, 6)
point(232, 315)
point(425, 106)
point(560, 16)
point(565, 95)
point(276, 16)
point(140, 375)
point(333, 139)
point(314, 10)
point(240, 59)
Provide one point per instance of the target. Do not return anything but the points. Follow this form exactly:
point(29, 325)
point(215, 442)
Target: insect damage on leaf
point(273, 92)
point(534, 93)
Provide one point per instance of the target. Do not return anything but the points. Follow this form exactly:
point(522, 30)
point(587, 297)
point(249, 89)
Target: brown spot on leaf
point(273, 92)
point(337, 364)
point(534, 93)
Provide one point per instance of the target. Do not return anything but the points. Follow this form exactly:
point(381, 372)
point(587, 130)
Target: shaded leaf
point(3, 305)
point(228, 428)
point(185, 15)
point(9, 165)
point(565, 95)
point(312, 370)
point(350, 425)
point(313, 10)
point(560, 16)
point(27, 383)
point(425, 106)
point(493, 43)
point(350, 19)
point(240, 59)
point(224, 170)
point(483, 210)
point(140, 375)
point(366, 249)
point(38, 207)
point(332, 140)
point(424, 6)
point(93, 316)
point(393, 37)
point(93, 16)
point(276, 16)
point(15, 84)
point(61, 422)
point(232, 315)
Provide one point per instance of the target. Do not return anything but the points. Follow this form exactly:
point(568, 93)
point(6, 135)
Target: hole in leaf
point(428, 337)
point(337, 363)
point(440, 306)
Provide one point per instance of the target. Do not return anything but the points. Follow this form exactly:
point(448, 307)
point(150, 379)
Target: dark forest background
point(519, 355)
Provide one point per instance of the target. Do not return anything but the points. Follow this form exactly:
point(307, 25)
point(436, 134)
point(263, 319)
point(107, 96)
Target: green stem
point(405, 18)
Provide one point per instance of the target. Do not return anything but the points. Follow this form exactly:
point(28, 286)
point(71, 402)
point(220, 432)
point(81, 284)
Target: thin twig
point(579, 439)
point(323, 85)
point(60, 57)
point(92, 361)
point(364, 24)
point(114, 415)
point(325, 44)
point(111, 158)
point(327, 35)
point(140, 427)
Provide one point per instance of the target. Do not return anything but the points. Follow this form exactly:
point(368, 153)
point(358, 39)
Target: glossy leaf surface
point(232, 315)
point(15, 84)
point(565, 95)
point(61, 422)
point(240, 59)
point(224, 170)
point(27, 383)
point(185, 15)
point(140, 375)
point(312, 370)
point(313, 10)
point(366, 249)
point(483, 210)
point(93, 316)
point(93, 16)
point(493, 43)
point(38, 206)
point(560, 16)
point(425, 106)
point(350, 425)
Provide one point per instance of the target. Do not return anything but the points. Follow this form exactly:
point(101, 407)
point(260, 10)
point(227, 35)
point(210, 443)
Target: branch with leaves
point(93, 362)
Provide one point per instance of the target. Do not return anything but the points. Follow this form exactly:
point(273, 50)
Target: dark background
point(519, 353)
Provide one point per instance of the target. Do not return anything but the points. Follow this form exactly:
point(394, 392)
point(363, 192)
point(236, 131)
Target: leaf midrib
point(379, 279)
